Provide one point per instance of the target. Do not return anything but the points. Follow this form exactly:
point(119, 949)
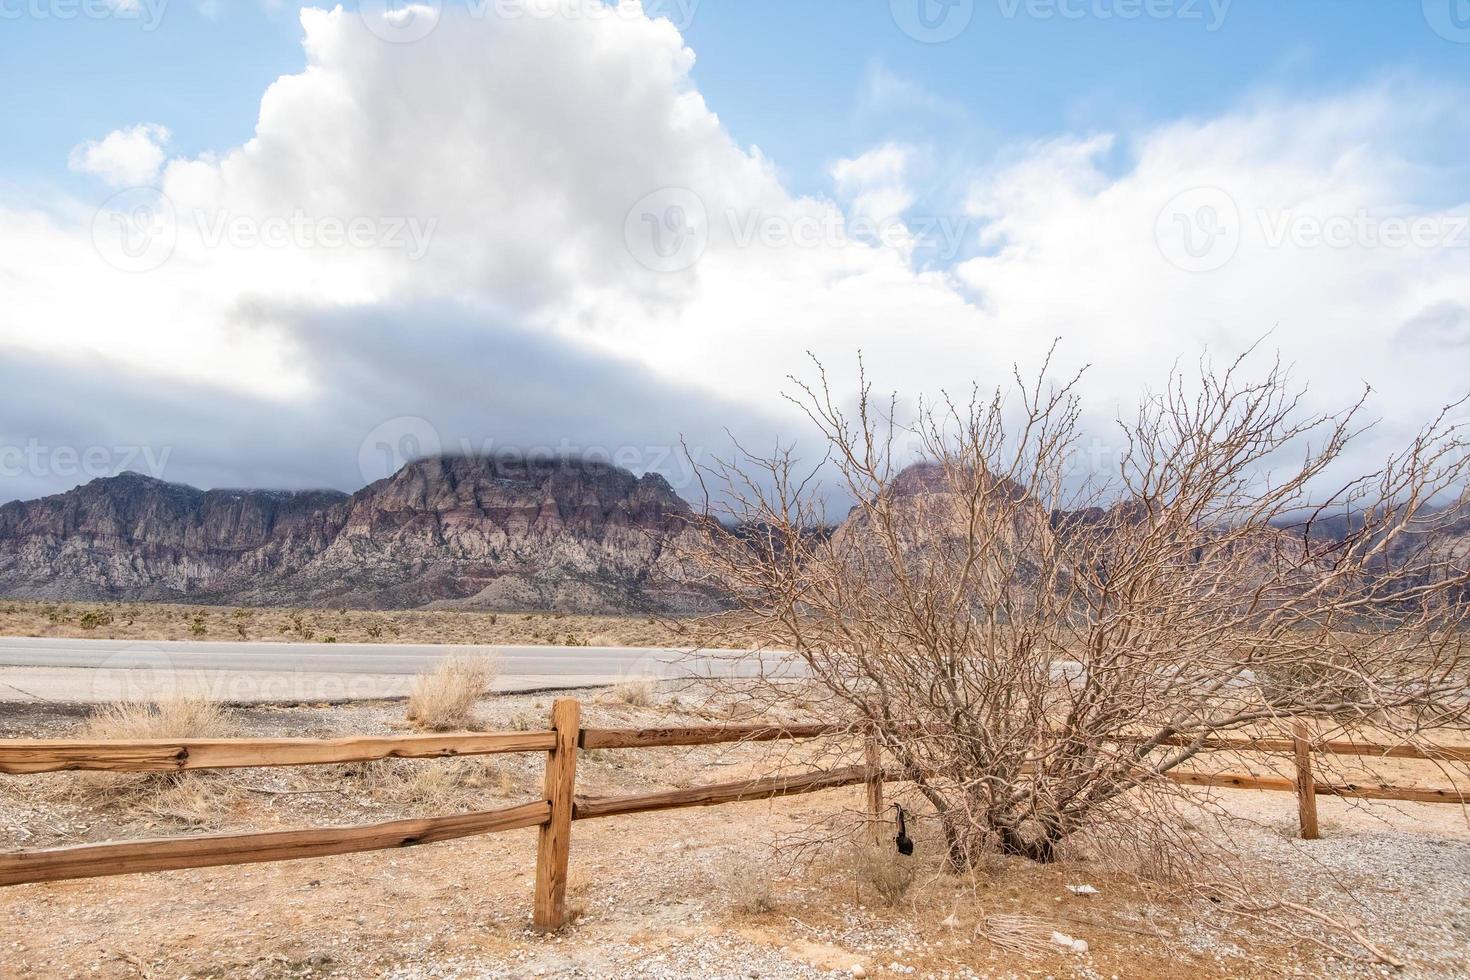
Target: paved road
point(45, 668)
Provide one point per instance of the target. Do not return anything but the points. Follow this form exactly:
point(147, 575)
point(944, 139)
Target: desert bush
point(882, 869)
point(183, 717)
point(636, 692)
point(192, 798)
point(94, 618)
point(430, 785)
point(443, 699)
point(1037, 644)
point(749, 889)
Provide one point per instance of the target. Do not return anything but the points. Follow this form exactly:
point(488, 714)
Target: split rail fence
point(559, 806)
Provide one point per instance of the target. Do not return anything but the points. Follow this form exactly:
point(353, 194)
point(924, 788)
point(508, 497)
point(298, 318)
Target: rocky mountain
point(462, 532)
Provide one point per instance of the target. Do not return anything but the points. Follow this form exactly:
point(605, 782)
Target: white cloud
point(124, 157)
point(562, 162)
point(876, 183)
point(1100, 258)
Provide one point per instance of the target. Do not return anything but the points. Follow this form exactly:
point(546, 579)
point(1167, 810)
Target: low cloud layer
point(403, 383)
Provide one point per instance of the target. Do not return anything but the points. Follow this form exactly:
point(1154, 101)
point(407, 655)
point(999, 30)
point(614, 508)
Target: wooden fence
point(559, 806)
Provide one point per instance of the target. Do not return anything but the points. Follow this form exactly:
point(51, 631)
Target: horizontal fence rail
point(554, 814)
point(1438, 753)
point(646, 738)
point(179, 853)
point(19, 756)
point(1281, 784)
point(754, 789)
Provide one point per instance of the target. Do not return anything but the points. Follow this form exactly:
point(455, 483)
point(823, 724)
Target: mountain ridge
point(481, 532)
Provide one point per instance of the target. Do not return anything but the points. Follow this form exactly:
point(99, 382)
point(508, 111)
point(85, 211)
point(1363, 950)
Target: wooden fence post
point(553, 846)
point(873, 760)
point(1306, 784)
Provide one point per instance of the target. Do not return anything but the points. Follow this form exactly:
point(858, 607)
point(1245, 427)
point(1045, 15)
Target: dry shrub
point(1037, 645)
point(444, 698)
point(194, 799)
point(636, 692)
point(749, 888)
point(432, 785)
point(183, 717)
point(889, 874)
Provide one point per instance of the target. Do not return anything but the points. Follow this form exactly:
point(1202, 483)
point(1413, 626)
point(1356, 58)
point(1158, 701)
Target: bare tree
point(1037, 650)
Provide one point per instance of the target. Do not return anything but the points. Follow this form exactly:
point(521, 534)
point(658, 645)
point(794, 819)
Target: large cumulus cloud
point(560, 243)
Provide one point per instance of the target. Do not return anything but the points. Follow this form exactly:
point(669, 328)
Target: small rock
point(857, 970)
point(1082, 890)
point(1079, 946)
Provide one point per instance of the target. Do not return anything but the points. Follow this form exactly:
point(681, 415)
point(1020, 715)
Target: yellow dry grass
point(444, 698)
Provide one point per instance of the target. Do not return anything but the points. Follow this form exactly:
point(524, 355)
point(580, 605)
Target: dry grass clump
point(194, 799)
point(432, 785)
point(183, 717)
point(750, 888)
point(635, 692)
point(444, 698)
point(889, 874)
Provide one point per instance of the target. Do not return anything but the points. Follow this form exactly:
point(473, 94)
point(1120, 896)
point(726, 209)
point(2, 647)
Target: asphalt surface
point(64, 669)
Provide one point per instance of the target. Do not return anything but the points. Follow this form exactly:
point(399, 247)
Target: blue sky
point(787, 75)
point(672, 205)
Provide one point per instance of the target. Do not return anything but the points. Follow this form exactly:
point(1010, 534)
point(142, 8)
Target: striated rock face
point(469, 532)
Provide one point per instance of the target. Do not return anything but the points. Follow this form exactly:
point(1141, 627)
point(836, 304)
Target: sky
point(254, 243)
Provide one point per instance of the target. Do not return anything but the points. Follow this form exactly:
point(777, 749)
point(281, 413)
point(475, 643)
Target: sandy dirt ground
point(766, 889)
point(157, 621)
